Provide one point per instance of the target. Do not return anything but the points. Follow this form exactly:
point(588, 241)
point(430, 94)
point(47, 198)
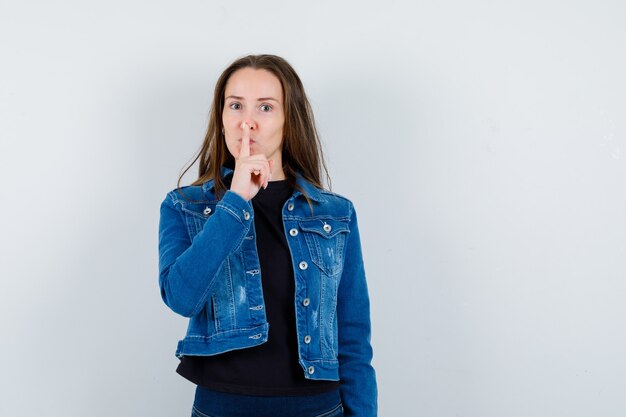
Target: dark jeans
point(209, 403)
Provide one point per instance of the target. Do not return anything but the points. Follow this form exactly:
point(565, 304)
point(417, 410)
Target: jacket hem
point(322, 369)
point(222, 342)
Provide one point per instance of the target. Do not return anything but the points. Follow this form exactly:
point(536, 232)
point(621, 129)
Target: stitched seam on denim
point(216, 306)
point(175, 201)
point(195, 213)
point(324, 235)
point(215, 323)
point(331, 321)
point(231, 212)
point(318, 249)
point(314, 226)
point(313, 249)
point(229, 286)
point(324, 362)
point(179, 195)
point(200, 413)
point(172, 196)
point(191, 230)
point(330, 413)
point(340, 253)
point(203, 298)
point(239, 330)
point(342, 218)
point(326, 331)
point(198, 223)
point(333, 194)
point(320, 327)
point(233, 209)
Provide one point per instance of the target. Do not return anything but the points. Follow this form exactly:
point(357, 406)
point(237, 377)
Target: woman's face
point(256, 97)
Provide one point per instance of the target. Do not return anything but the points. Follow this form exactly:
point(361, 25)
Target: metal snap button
point(311, 369)
point(207, 211)
point(246, 215)
point(307, 339)
point(306, 302)
point(293, 232)
point(327, 228)
point(303, 265)
point(290, 206)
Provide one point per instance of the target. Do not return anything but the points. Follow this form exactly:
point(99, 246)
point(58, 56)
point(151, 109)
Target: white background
point(483, 144)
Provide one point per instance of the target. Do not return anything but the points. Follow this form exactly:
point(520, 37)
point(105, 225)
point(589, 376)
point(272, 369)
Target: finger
point(244, 152)
point(268, 165)
point(257, 159)
point(269, 172)
point(260, 171)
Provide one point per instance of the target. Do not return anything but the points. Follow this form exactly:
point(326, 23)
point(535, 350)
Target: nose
point(249, 122)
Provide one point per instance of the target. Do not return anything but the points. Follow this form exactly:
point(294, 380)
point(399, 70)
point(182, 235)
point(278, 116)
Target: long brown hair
point(301, 147)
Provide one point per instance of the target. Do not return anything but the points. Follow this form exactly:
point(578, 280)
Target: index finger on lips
point(244, 152)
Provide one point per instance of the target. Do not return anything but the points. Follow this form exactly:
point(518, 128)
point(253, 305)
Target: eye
point(234, 106)
point(265, 107)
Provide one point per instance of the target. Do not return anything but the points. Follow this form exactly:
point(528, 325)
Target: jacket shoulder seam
point(176, 196)
point(343, 198)
point(337, 195)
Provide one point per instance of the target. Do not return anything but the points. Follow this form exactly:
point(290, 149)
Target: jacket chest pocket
point(326, 241)
point(196, 215)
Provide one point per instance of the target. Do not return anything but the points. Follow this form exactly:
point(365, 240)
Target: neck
point(277, 173)
point(277, 170)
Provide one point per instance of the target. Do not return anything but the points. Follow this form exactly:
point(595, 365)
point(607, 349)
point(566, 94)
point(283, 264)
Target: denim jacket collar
point(311, 190)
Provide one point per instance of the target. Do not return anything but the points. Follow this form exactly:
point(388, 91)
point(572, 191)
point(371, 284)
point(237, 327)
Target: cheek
point(232, 147)
point(279, 133)
point(229, 122)
point(231, 144)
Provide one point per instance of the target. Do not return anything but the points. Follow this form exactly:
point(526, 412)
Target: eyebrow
point(258, 99)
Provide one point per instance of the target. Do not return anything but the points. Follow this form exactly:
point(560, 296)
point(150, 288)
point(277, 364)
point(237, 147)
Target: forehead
point(253, 83)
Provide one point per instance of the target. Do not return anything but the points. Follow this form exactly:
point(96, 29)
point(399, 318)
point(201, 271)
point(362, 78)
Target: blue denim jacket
point(209, 271)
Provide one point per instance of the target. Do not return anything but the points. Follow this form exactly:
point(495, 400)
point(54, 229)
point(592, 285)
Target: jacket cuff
point(237, 206)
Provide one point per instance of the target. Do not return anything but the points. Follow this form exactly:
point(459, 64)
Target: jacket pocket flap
point(324, 227)
point(202, 210)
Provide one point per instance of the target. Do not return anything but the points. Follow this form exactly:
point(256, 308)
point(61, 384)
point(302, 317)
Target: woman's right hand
point(251, 171)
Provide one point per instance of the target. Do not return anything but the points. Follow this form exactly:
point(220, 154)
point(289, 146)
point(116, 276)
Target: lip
point(251, 140)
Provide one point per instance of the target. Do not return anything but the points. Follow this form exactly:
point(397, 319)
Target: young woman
point(265, 262)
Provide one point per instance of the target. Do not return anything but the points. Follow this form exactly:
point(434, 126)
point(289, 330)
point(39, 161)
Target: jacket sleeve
point(358, 388)
point(187, 269)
